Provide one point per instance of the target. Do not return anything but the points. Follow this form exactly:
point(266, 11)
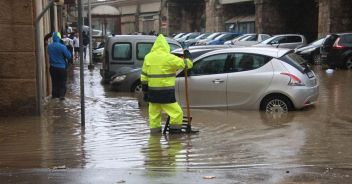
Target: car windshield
point(202, 36)
point(178, 35)
point(318, 42)
point(214, 35)
point(294, 60)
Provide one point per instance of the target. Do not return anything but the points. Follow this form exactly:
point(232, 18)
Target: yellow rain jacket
point(158, 79)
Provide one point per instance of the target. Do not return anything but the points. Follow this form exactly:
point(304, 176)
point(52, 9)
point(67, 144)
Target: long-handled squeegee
point(187, 121)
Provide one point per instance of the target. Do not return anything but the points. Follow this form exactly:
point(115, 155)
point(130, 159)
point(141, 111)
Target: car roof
point(267, 51)
point(139, 37)
point(202, 47)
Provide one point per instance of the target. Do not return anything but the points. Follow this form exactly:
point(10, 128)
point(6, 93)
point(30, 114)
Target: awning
point(105, 10)
point(237, 19)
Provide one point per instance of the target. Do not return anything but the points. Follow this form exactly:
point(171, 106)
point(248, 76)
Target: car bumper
point(120, 86)
point(97, 58)
point(302, 96)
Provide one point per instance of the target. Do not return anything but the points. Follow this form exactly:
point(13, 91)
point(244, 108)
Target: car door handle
point(217, 81)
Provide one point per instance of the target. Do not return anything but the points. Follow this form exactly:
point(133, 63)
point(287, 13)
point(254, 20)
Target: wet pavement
point(307, 146)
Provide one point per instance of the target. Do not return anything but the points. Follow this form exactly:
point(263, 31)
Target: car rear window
point(329, 40)
point(346, 40)
point(294, 60)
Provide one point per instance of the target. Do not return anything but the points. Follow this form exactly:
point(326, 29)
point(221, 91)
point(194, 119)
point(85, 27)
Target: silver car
point(269, 79)
point(290, 41)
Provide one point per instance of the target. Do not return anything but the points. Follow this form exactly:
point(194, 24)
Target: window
point(243, 62)
point(281, 39)
point(210, 65)
point(294, 39)
point(346, 40)
point(294, 60)
point(122, 51)
point(264, 37)
point(252, 38)
point(143, 49)
point(173, 46)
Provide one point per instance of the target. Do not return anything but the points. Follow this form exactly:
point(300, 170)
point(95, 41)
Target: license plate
point(310, 74)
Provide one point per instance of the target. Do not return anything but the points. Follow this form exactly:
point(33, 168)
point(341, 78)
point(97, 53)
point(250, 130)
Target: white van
point(123, 53)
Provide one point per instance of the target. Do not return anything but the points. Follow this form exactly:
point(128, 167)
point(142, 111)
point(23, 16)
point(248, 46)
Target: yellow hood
point(161, 45)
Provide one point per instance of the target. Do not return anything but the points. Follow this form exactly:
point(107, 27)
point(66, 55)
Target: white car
point(269, 79)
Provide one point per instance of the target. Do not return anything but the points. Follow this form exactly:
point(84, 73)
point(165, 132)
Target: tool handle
point(187, 95)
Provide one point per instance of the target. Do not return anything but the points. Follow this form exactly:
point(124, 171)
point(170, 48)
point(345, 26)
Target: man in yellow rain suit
point(158, 80)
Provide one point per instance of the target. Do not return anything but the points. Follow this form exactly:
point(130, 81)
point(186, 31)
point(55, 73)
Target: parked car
point(230, 42)
point(126, 52)
point(192, 42)
point(336, 50)
point(311, 52)
point(251, 39)
point(220, 40)
point(210, 37)
point(269, 79)
point(98, 52)
point(187, 37)
point(179, 35)
point(290, 41)
point(129, 80)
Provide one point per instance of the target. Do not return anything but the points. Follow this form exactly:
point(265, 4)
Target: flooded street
point(308, 146)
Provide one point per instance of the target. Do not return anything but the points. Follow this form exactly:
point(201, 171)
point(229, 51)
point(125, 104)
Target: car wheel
point(136, 87)
point(276, 103)
point(316, 59)
point(348, 63)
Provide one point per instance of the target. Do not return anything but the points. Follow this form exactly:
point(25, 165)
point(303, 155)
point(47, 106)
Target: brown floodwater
point(116, 134)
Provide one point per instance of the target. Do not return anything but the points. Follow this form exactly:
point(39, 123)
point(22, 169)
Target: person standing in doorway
point(158, 80)
point(58, 53)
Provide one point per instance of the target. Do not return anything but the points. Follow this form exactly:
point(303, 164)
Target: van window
point(143, 49)
point(122, 51)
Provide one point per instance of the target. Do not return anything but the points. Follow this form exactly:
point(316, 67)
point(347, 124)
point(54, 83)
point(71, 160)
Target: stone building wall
point(17, 57)
point(184, 16)
point(335, 16)
point(214, 16)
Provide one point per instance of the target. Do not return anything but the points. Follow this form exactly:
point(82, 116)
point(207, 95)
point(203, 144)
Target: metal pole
point(91, 65)
point(39, 67)
point(81, 76)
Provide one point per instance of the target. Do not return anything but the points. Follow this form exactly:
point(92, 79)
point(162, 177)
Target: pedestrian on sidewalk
point(158, 80)
point(58, 53)
point(85, 38)
point(69, 44)
point(76, 46)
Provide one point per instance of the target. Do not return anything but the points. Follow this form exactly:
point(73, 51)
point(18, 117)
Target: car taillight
point(294, 80)
point(337, 45)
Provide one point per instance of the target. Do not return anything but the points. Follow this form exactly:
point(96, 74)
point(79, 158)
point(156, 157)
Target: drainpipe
point(39, 66)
